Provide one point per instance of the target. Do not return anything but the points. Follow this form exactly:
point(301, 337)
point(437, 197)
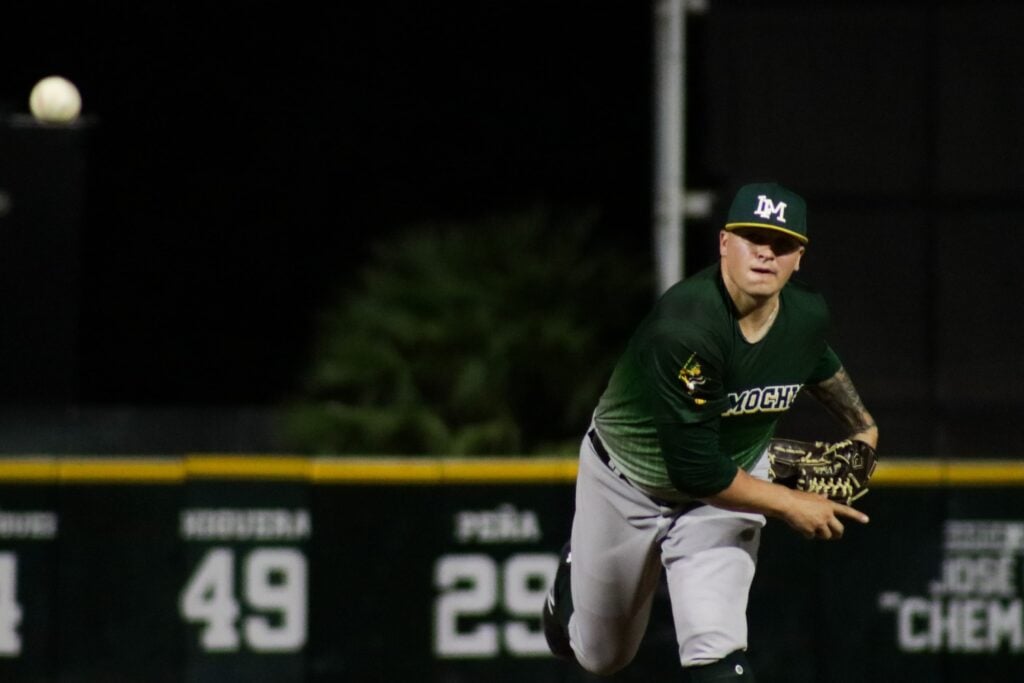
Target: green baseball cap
point(769, 206)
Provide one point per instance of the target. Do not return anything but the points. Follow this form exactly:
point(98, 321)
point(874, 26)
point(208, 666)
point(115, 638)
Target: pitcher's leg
point(612, 596)
point(614, 566)
point(710, 558)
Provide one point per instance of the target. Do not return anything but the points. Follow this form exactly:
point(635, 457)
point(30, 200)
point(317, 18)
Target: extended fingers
point(849, 512)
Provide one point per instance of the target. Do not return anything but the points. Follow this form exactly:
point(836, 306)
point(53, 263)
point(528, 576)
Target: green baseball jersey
point(691, 399)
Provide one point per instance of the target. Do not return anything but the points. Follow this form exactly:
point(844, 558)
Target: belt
point(602, 454)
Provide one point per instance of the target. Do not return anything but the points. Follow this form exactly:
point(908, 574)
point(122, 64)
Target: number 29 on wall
point(10, 610)
point(503, 599)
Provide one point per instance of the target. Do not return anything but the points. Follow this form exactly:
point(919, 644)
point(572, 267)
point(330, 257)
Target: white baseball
point(55, 100)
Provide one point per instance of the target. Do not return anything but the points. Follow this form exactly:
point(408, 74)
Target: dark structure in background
point(126, 582)
point(243, 158)
point(42, 183)
point(901, 122)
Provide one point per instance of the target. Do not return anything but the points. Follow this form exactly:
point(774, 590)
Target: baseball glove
point(840, 470)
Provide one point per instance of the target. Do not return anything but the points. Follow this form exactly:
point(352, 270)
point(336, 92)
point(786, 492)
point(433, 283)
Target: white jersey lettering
point(773, 399)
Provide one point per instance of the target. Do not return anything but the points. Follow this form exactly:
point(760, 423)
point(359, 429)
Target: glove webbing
point(843, 487)
point(833, 488)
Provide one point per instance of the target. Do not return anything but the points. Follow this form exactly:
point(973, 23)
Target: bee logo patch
point(692, 377)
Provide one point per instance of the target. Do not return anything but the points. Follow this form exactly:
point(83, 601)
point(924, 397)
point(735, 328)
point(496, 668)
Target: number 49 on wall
point(273, 583)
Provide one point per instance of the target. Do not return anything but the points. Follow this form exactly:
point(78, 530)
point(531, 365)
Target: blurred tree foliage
point(494, 337)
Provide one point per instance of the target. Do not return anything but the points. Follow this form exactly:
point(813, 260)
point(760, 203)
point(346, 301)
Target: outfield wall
point(227, 568)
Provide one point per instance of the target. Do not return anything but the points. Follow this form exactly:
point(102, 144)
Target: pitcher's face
point(758, 261)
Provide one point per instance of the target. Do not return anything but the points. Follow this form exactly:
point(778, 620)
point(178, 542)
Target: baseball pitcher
point(679, 469)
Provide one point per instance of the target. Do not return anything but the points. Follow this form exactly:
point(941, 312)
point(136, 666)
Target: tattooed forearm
point(841, 399)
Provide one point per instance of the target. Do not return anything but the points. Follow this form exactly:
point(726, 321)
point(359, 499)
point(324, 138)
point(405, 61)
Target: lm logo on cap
point(766, 208)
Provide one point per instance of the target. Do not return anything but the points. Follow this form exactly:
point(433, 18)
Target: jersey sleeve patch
point(694, 381)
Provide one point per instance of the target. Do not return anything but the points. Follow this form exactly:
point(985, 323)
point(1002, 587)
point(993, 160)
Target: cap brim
point(767, 226)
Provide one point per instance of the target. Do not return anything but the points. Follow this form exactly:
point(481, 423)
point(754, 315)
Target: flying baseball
point(55, 99)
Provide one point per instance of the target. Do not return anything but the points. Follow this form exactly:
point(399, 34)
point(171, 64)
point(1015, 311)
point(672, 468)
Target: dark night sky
point(243, 156)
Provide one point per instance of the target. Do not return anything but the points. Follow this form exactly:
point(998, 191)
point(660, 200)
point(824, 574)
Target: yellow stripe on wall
point(247, 467)
point(120, 470)
point(907, 472)
point(422, 471)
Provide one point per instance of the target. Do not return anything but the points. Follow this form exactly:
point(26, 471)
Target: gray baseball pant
point(621, 540)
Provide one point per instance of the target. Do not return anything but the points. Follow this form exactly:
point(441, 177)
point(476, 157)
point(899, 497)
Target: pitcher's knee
point(603, 665)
